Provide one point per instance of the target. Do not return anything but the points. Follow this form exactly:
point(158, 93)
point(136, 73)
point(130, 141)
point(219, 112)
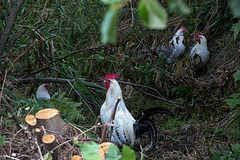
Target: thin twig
point(163, 99)
point(3, 85)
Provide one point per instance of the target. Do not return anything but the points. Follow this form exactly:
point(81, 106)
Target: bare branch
point(10, 23)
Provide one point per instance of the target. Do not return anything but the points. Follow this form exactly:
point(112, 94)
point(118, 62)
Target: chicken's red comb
point(110, 76)
point(197, 34)
point(183, 28)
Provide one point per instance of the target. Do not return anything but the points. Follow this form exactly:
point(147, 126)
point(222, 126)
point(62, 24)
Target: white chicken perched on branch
point(126, 129)
point(176, 46)
point(42, 91)
point(199, 54)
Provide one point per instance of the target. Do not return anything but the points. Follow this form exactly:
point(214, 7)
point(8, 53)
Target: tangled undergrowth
point(205, 126)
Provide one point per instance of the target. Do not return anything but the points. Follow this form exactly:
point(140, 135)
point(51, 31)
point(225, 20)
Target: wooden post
point(77, 157)
point(31, 121)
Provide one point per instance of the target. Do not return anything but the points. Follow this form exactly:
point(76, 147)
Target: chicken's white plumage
point(176, 46)
point(42, 92)
point(123, 122)
point(199, 54)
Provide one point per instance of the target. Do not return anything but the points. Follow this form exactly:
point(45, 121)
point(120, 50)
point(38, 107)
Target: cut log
point(38, 134)
point(50, 143)
point(77, 157)
point(31, 121)
point(52, 121)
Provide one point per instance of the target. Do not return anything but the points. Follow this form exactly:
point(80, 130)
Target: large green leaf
point(90, 151)
point(108, 27)
point(236, 29)
point(111, 1)
point(178, 7)
point(235, 6)
point(128, 153)
point(112, 153)
point(152, 14)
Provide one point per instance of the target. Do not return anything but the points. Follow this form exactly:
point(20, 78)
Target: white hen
point(199, 54)
point(42, 91)
point(176, 46)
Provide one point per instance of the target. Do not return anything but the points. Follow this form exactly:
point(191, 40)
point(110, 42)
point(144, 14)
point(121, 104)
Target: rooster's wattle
point(42, 91)
point(126, 129)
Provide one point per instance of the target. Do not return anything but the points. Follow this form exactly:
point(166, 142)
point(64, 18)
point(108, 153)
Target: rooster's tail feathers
point(155, 110)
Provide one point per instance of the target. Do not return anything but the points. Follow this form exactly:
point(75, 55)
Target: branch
point(55, 80)
point(34, 43)
point(81, 50)
point(10, 23)
point(161, 98)
point(106, 126)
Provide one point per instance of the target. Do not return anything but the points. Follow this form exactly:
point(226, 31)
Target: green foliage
point(70, 110)
point(234, 99)
point(90, 152)
point(229, 154)
point(128, 153)
point(178, 7)
point(152, 14)
point(2, 139)
point(236, 29)
point(109, 25)
point(236, 75)
point(47, 156)
point(235, 6)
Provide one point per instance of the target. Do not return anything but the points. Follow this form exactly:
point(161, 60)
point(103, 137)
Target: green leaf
point(112, 153)
point(90, 151)
point(236, 75)
point(236, 29)
point(128, 153)
point(152, 14)
point(47, 156)
point(111, 1)
point(234, 101)
point(2, 139)
point(235, 6)
point(235, 148)
point(109, 26)
point(178, 7)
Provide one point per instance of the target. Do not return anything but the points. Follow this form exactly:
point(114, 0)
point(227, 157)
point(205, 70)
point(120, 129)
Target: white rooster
point(42, 91)
point(199, 54)
point(176, 46)
point(126, 129)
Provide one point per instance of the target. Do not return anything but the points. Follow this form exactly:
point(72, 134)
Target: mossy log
point(51, 121)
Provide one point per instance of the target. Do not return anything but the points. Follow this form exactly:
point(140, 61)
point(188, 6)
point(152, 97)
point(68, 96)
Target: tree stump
point(31, 121)
point(50, 143)
point(52, 121)
point(77, 157)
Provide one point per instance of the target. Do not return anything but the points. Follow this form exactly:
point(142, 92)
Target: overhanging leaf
point(108, 27)
point(235, 6)
point(111, 1)
point(178, 7)
point(152, 14)
point(236, 29)
point(128, 153)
